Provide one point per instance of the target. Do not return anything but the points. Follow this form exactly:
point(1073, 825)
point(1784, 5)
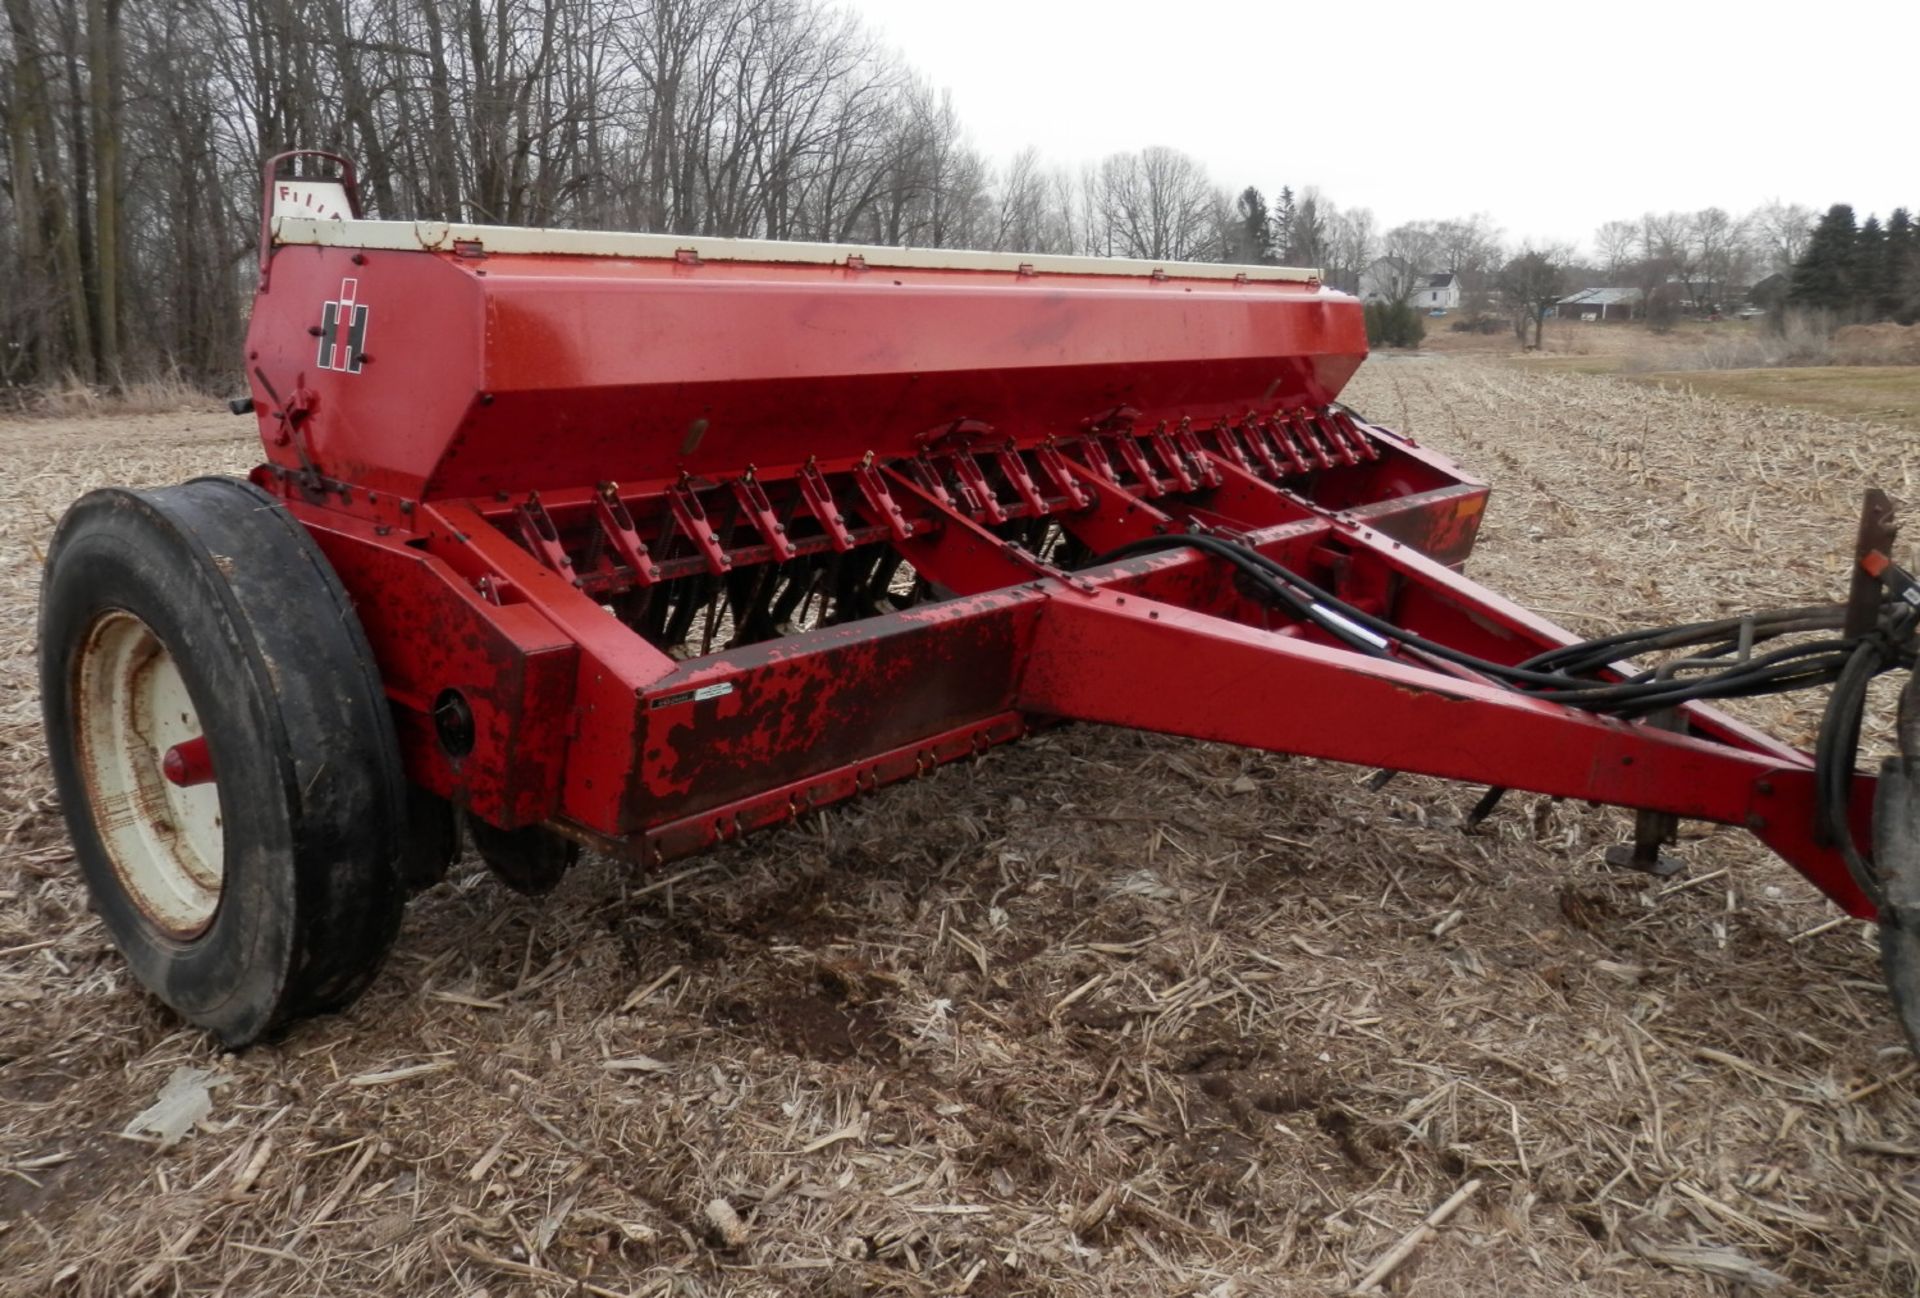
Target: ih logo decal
point(343, 330)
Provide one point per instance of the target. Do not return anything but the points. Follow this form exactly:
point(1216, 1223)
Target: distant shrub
point(1662, 314)
point(1394, 324)
point(1478, 324)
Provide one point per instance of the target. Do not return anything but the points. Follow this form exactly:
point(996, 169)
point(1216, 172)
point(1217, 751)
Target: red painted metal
point(704, 545)
point(188, 763)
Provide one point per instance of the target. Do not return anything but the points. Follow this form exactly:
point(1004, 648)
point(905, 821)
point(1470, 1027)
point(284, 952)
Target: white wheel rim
point(165, 842)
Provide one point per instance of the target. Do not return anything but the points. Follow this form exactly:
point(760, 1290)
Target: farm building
point(1771, 291)
point(1599, 304)
point(1438, 292)
point(1383, 278)
point(1389, 279)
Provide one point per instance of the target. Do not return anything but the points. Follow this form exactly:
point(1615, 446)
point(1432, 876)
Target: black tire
point(1896, 862)
point(250, 619)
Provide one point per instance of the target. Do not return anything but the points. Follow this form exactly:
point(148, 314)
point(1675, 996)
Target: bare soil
point(1102, 1013)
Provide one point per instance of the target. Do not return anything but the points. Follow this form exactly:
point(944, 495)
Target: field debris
point(185, 1100)
point(388, 1076)
point(1154, 1032)
point(1386, 1266)
point(728, 1230)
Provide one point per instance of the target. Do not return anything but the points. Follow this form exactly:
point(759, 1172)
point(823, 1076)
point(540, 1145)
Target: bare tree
point(1668, 244)
point(1410, 254)
point(46, 192)
point(1352, 248)
point(1468, 248)
point(1781, 231)
point(1531, 282)
point(1157, 204)
point(1720, 251)
point(1616, 243)
point(1311, 230)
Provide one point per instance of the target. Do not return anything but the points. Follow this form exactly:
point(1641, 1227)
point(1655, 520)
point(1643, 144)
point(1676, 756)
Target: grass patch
point(1888, 393)
point(1604, 363)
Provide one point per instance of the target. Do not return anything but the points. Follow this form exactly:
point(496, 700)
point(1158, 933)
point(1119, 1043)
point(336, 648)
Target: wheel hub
point(149, 775)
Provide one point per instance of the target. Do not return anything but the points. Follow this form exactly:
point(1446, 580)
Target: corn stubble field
point(1101, 1013)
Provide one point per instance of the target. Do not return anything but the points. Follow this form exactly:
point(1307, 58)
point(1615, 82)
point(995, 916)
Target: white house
point(1439, 292)
point(1382, 278)
point(1387, 278)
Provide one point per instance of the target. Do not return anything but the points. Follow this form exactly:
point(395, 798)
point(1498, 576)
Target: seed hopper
point(647, 542)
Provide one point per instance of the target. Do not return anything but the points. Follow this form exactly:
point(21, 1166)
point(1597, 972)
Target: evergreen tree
point(1283, 220)
point(1252, 240)
point(1823, 277)
point(1869, 269)
point(1900, 279)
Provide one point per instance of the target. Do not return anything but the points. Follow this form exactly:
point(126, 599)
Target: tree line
point(131, 136)
point(1860, 272)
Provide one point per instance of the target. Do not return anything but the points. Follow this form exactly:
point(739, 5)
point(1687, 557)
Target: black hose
point(1563, 673)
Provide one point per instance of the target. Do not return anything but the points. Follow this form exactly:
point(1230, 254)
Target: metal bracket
point(1878, 531)
point(1054, 465)
point(1305, 433)
point(1094, 451)
point(759, 511)
point(1204, 468)
point(1255, 436)
point(928, 474)
point(974, 483)
point(541, 536)
point(1280, 429)
point(880, 500)
point(819, 498)
point(1653, 830)
point(1351, 431)
point(1015, 470)
point(691, 515)
point(617, 523)
point(1176, 463)
point(1136, 461)
point(1231, 447)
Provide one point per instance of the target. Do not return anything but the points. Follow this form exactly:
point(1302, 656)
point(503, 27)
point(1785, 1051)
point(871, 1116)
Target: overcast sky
point(1550, 116)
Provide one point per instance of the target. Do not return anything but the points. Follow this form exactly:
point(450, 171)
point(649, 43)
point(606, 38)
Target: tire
point(271, 891)
point(1896, 862)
